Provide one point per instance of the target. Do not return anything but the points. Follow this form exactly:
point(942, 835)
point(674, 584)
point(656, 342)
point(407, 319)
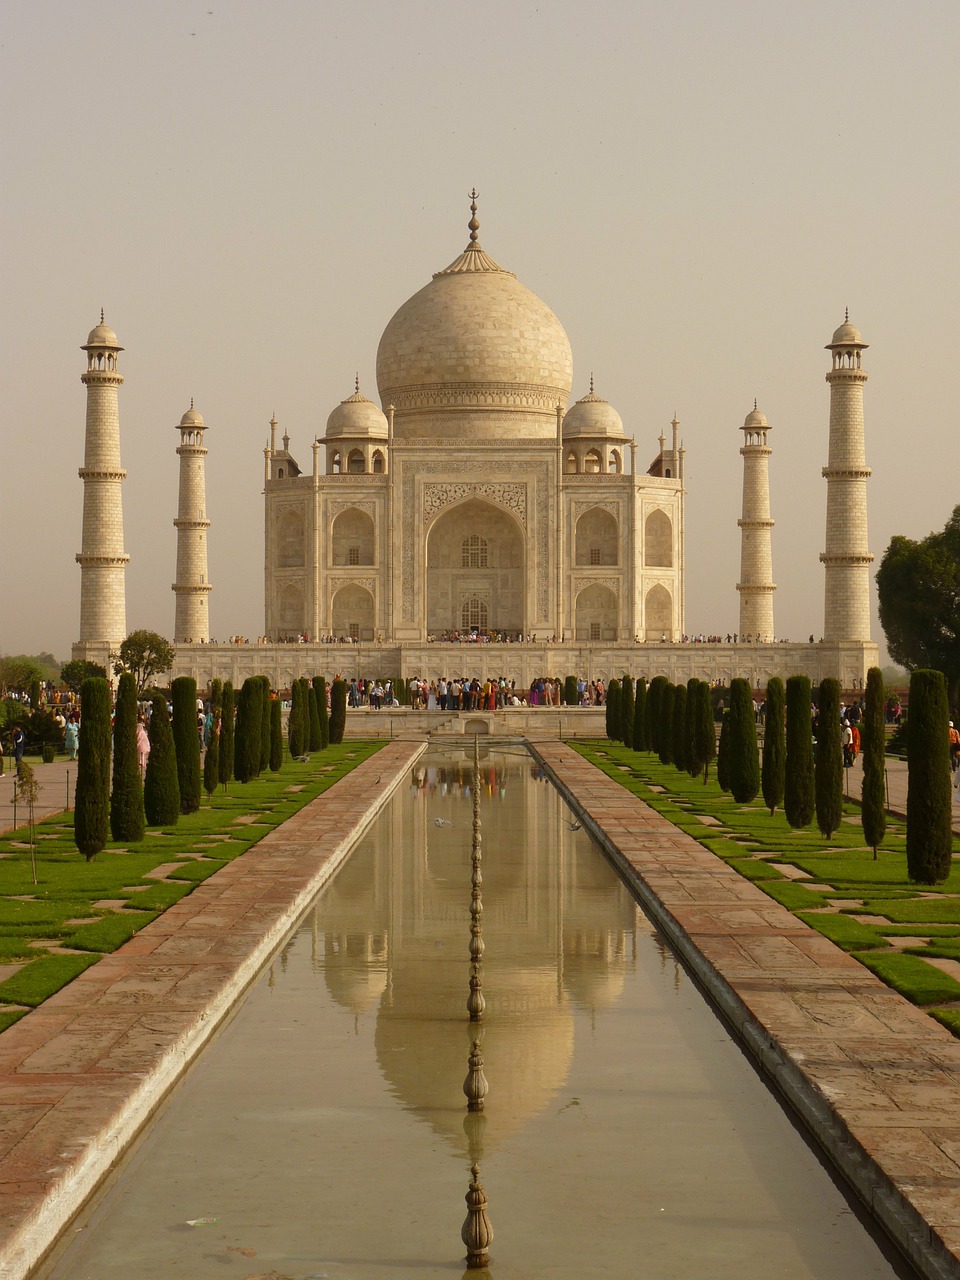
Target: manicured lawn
point(79, 910)
point(847, 884)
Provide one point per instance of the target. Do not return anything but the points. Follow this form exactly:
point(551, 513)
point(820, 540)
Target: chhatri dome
point(356, 416)
point(474, 354)
point(593, 416)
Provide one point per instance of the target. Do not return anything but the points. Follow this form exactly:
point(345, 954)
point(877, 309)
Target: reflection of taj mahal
point(474, 503)
point(475, 500)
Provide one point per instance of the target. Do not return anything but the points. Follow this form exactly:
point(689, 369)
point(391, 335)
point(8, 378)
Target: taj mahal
point(476, 505)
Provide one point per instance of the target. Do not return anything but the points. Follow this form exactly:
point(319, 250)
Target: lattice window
point(595, 555)
point(354, 630)
point(473, 614)
point(594, 630)
point(353, 555)
point(473, 552)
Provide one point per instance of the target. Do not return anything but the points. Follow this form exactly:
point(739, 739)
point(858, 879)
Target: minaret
point(192, 624)
point(756, 585)
point(102, 560)
point(847, 560)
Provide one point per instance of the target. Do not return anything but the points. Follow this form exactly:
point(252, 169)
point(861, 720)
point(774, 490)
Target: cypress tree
point(276, 735)
point(626, 711)
point(227, 726)
point(665, 723)
point(773, 772)
point(652, 727)
point(723, 753)
point(570, 696)
point(211, 758)
point(929, 828)
point(873, 815)
point(161, 790)
point(92, 800)
point(127, 821)
point(295, 720)
point(691, 740)
point(323, 712)
point(678, 730)
point(316, 739)
point(183, 694)
point(612, 705)
point(744, 755)
point(706, 727)
point(246, 755)
point(338, 711)
point(640, 716)
point(265, 730)
point(798, 793)
point(828, 761)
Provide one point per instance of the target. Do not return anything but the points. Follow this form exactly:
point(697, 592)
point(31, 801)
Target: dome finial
point(356, 383)
point(754, 404)
point(591, 382)
point(101, 315)
point(846, 315)
point(473, 224)
point(191, 402)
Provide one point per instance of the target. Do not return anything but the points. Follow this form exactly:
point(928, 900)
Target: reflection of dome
point(592, 416)
point(527, 1045)
point(356, 416)
point(355, 969)
point(474, 338)
point(594, 969)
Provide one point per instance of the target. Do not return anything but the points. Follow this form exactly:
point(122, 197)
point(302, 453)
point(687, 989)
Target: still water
point(322, 1133)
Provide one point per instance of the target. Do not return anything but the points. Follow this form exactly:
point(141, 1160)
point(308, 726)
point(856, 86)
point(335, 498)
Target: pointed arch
point(658, 540)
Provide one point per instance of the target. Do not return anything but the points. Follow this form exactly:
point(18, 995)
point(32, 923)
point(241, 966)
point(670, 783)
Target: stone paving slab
point(80, 1075)
point(876, 1080)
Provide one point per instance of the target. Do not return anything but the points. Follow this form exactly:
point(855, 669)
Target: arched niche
point(658, 613)
point(379, 462)
point(355, 462)
point(597, 614)
point(291, 611)
point(352, 612)
point(598, 538)
point(593, 462)
point(570, 464)
point(494, 574)
point(658, 540)
point(352, 538)
point(291, 541)
point(615, 462)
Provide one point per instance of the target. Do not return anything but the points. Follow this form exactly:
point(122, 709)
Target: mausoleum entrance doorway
point(475, 570)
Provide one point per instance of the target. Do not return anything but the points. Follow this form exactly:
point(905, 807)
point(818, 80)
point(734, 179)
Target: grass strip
point(41, 978)
point(912, 977)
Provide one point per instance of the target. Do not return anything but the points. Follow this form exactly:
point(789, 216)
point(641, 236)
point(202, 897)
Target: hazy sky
point(251, 190)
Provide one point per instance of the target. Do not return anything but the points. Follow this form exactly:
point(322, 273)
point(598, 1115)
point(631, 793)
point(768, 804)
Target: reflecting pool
point(323, 1132)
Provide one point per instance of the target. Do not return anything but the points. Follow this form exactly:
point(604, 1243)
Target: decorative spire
point(101, 315)
point(754, 404)
point(591, 382)
point(846, 315)
point(356, 383)
point(191, 402)
point(473, 224)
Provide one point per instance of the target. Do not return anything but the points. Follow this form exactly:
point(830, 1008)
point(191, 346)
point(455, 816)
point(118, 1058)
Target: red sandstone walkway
point(877, 1080)
point(81, 1074)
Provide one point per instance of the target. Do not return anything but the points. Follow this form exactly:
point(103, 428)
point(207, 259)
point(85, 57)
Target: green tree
point(723, 753)
point(338, 711)
point(127, 820)
point(744, 754)
point(640, 716)
point(873, 814)
point(612, 711)
point(316, 736)
point(929, 827)
point(144, 654)
point(678, 730)
point(665, 723)
point(211, 757)
point(691, 740)
point(798, 789)
point(323, 711)
point(74, 672)
point(773, 771)
point(918, 585)
point(18, 673)
point(227, 725)
point(276, 735)
point(246, 750)
point(183, 694)
point(706, 730)
point(828, 758)
point(161, 790)
point(626, 711)
point(295, 720)
point(657, 686)
point(92, 800)
point(265, 729)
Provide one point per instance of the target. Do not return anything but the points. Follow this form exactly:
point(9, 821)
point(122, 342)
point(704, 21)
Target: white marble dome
point(592, 416)
point(356, 416)
point(102, 336)
point(472, 348)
